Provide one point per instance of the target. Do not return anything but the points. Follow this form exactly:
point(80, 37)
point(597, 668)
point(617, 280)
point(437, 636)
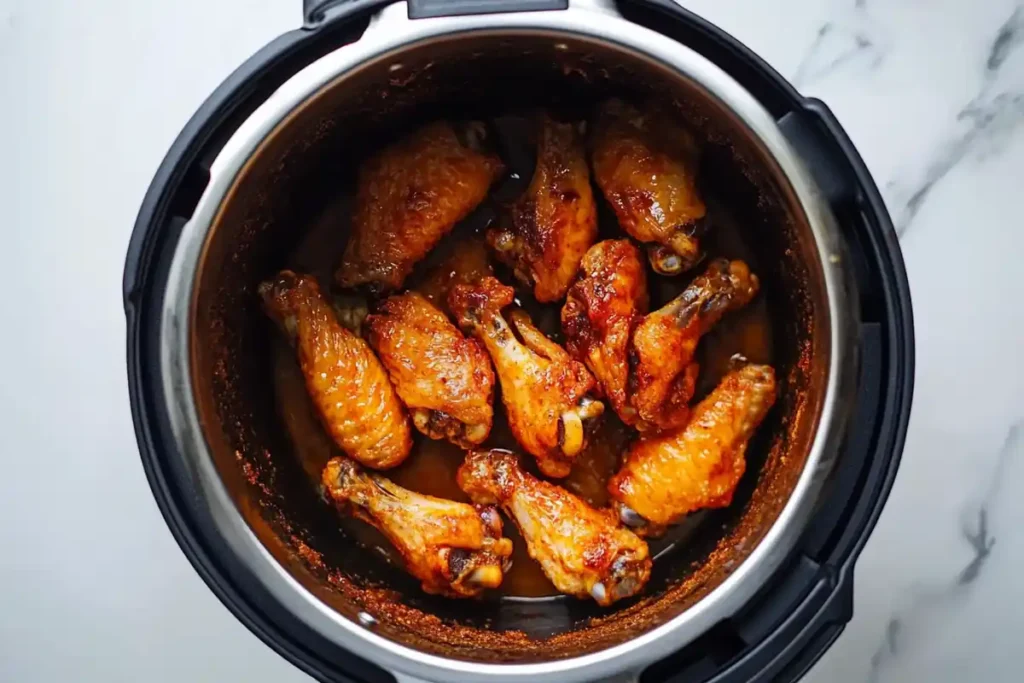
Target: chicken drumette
point(554, 222)
point(445, 380)
point(582, 550)
point(455, 549)
point(666, 477)
point(410, 195)
point(663, 372)
point(349, 387)
point(645, 166)
point(548, 395)
point(601, 310)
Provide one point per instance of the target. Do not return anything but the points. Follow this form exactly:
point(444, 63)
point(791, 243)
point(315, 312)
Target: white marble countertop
point(92, 586)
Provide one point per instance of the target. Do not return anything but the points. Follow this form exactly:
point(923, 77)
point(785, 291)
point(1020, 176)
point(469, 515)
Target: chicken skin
point(548, 396)
point(467, 264)
point(666, 477)
point(645, 166)
point(554, 222)
point(583, 551)
point(601, 310)
point(664, 374)
point(445, 380)
point(408, 197)
point(455, 549)
point(347, 384)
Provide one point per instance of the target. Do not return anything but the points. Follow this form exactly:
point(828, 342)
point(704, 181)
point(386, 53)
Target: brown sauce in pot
point(430, 468)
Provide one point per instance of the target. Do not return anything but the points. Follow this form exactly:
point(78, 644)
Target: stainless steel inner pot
point(296, 154)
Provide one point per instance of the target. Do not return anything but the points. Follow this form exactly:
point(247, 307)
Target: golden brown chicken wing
point(666, 477)
point(548, 396)
point(467, 264)
point(445, 380)
point(348, 385)
point(601, 310)
point(555, 221)
point(455, 549)
point(582, 550)
point(410, 195)
point(664, 374)
point(645, 165)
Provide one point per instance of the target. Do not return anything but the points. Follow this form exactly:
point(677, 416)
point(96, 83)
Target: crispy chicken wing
point(348, 385)
point(582, 550)
point(555, 221)
point(548, 396)
point(666, 477)
point(410, 195)
point(445, 380)
point(455, 549)
point(467, 264)
point(601, 310)
point(645, 165)
point(664, 374)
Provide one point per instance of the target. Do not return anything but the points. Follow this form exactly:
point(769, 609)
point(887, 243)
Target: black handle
point(419, 9)
point(314, 11)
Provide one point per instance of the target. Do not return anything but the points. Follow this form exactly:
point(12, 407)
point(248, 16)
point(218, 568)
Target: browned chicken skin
point(664, 374)
point(582, 550)
point(555, 221)
point(666, 477)
point(645, 166)
point(601, 310)
point(348, 385)
point(455, 549)
point(409, 196)
point(445, 380)
point(467, 264)
point(548, 395)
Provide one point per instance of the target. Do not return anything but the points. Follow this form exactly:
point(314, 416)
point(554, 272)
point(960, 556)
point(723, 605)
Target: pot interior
point(289, 208)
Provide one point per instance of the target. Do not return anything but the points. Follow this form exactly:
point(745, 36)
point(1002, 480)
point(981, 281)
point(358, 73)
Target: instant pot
point(757, 591)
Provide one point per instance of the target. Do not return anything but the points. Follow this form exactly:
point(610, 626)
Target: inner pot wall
point(309, 160)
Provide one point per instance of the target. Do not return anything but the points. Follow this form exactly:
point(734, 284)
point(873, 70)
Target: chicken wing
point(601, 310)
point(666, 477)
point(445, 380)
point(548, 396)
point(348, 386)
point(455, 549)
point(582, 550)
point(467, 264)
point(408, 197)
point(554, 222)
point(664, 374)
point(645, 165)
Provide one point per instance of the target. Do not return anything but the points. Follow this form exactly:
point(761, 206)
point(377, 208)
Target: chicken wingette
point(347, 384)
point(602, 309)
point(455, 549)
point(408, 197)
point(664, 374)
point(549, 397)
point(583, 551)
point(645, 165)
point(666, 477)
point(444, 379)
point(554, 222)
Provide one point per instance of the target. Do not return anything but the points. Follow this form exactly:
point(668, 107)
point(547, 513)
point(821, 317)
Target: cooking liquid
point(431, 467)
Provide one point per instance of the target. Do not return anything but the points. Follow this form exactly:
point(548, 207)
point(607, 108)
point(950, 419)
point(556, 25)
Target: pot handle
point(313, 10)
point(420, 9)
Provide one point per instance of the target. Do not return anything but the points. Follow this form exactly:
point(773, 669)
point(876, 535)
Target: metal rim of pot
point(389, 33)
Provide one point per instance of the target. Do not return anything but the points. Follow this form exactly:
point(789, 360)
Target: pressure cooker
point(759, 590)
